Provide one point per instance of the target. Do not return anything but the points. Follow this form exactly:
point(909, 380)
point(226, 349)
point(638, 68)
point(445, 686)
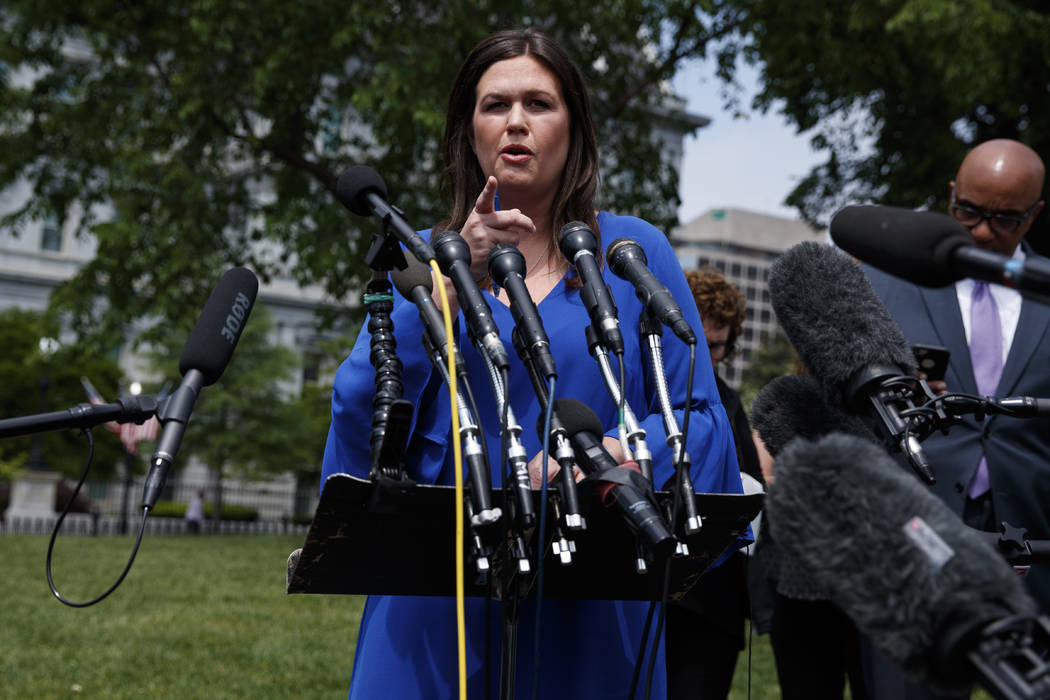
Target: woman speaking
point(521, 162)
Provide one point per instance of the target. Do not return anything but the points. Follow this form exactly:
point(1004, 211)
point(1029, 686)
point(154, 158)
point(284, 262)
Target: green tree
point(773, 359)
point(896, 91)
point(35, 381)
point(196, 135)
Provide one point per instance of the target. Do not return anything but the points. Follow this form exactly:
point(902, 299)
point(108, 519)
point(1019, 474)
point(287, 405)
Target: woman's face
point(521, 128)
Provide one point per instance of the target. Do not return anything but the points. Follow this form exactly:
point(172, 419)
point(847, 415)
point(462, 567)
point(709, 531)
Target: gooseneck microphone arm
point(633, 432)
point(391, 415)
point(651, 331)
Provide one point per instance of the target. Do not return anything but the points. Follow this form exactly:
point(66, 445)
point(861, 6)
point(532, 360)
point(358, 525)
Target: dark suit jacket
point(1017, 449)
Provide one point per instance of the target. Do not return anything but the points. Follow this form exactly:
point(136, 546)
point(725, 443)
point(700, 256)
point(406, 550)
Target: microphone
point(627, 260)
point(204, 358)
point(580, 246)
point(453, 256)
point(794, 406)
point(361, 190)
point(930, 249)
point(507, 267)
point(415, 284)
point(930, 593)
point(625, 489)
point(848, 341)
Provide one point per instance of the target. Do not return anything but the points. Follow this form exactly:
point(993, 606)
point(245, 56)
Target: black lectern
point(397, 538)
point(366, 539)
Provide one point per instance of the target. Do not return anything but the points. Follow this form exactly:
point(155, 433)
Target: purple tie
point(986, 354)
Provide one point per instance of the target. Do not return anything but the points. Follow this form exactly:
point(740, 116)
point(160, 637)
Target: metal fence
point(114, 507)
point(93, 524)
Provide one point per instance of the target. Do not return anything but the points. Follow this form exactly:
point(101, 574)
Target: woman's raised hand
point(485, 227)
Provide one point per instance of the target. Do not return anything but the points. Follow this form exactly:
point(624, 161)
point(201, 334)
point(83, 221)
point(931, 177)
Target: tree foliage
point(896, 91)
point(773, 359)
point(196, 135)
point(37, 382)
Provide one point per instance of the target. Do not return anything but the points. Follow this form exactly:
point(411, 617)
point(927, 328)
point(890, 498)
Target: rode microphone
point(580, 246)
point(361, 190)
point(631, 494)
point(204, 358)
point(848, 341)
point(453, 256)
point(930, 249)
point(936, 598)
point(627, 260)
point(507, 267)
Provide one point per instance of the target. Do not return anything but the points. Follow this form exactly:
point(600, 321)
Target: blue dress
point(406, 646)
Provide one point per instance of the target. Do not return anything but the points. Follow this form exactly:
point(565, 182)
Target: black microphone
point(848, 341)
point(415, 284)
point(930, 249)
point(507, 267)
point(453, 256)
point(930, 593)
point(794, 406)
point(361, 190)
point(631, 496)
point(204, 358)
point(627, 260)
point(580, 246)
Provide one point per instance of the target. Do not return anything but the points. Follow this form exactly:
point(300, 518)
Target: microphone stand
point(630, 431)
point(391, 415)
point(651, 331)
point(565, 501)
point(482, 516)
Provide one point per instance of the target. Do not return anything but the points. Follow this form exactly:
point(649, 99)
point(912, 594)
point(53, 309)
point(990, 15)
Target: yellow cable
point(461, 625)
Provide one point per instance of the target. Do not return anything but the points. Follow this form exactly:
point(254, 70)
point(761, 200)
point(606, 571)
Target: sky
point(743, 163)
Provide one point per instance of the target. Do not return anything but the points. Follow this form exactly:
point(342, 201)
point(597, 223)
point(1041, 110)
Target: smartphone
point(932, 360)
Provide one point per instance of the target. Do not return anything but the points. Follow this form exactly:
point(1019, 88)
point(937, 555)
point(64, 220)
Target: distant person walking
point(195, 514)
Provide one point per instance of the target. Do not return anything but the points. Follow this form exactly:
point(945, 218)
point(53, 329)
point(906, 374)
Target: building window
point(51, 234)
point(750, 293)
point(752, 272)
point(735, 270)
point(766, 316)
point(749, 333)
point(721, 265)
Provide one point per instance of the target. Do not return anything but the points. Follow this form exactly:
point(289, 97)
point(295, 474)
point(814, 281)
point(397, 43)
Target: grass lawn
point(197, 617)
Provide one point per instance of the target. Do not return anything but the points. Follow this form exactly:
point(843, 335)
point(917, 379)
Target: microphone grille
point(576, 417)
point(620, 251)
point(354, 183)
point(212, 341)
point(415, 274)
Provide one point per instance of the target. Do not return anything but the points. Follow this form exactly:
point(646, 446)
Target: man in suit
point(999, 469)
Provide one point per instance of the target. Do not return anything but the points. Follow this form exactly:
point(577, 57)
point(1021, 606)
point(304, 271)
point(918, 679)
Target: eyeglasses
point(1000, 223)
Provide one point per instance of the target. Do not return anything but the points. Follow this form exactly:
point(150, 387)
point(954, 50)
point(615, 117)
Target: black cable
point(688, 395)
point(659, 629)
point(58, 525)
point(641, 650)
point(541, 547)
